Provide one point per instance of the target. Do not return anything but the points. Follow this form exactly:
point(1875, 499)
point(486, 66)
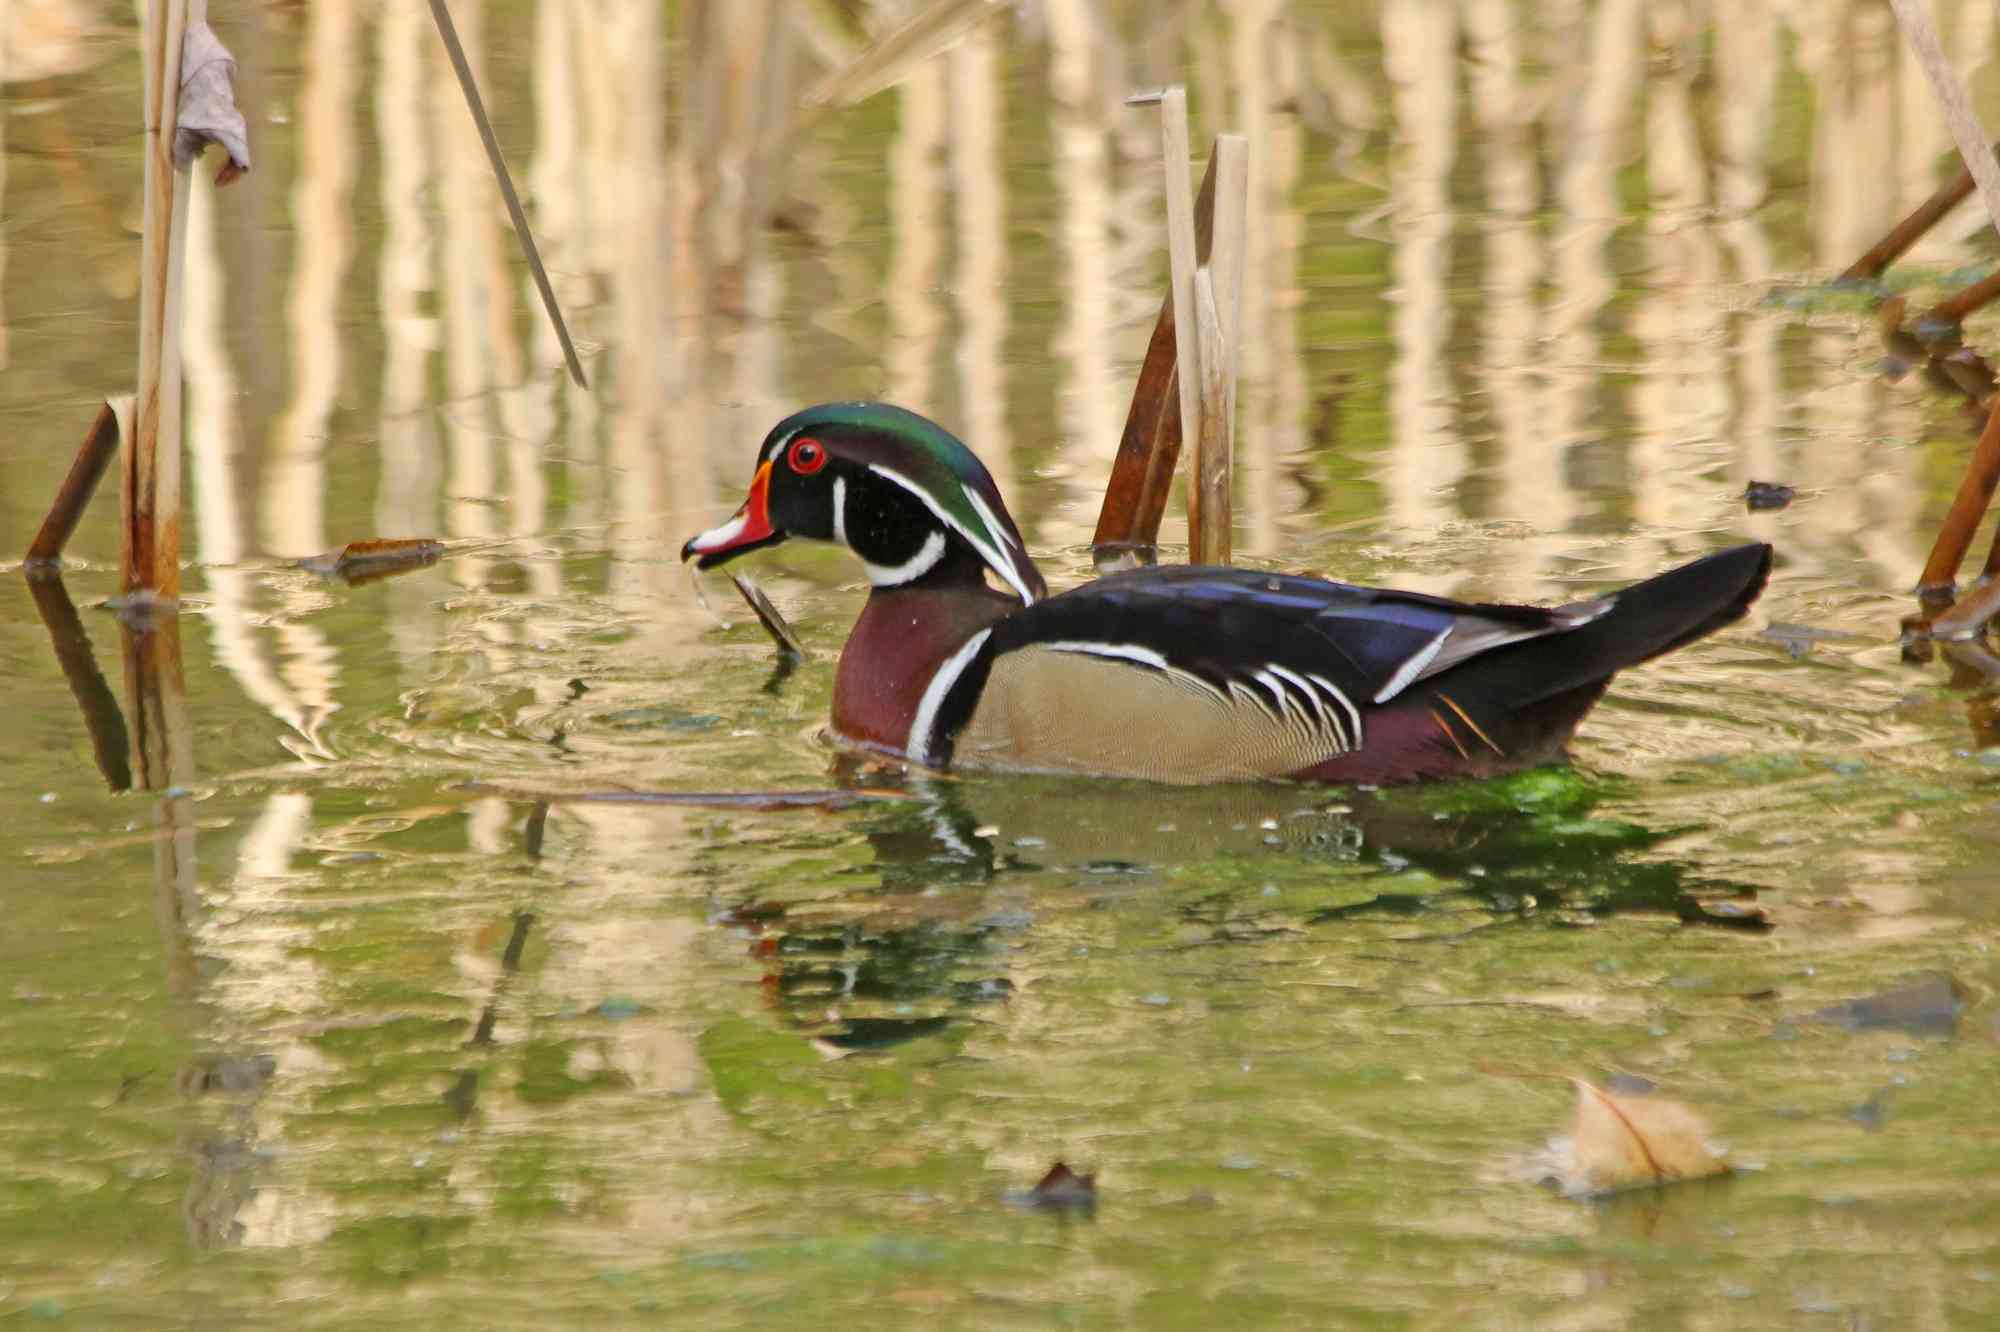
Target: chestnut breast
point(902, 637)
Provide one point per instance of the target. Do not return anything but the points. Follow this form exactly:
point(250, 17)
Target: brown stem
point(100, 446)
point(1954, 309)
point(1142, 475)
point(1907, 232)
point(1975, 493)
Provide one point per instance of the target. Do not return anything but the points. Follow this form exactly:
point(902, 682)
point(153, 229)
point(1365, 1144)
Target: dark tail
point(1646, 619)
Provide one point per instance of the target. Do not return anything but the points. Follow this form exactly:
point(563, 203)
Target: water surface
point(312, 1035)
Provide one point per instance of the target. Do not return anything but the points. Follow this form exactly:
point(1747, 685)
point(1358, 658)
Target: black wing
point(1259, 637)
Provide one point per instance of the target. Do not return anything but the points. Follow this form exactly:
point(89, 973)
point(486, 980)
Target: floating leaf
point(1624, 1140)
point(361, 561)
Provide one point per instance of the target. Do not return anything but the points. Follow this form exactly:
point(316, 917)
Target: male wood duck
point(1183, 674)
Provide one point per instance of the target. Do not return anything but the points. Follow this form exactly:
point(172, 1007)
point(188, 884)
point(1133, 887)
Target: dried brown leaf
point(1623, 1141)
point(207, 112)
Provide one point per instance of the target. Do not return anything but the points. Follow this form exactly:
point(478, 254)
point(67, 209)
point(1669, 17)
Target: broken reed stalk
point(1913, 17)
point(1142, 474)
point(1219, 293)
point(448, 31)
point(1181, 265)
point(100, 446)
point(150, 494)
point(1189, 374)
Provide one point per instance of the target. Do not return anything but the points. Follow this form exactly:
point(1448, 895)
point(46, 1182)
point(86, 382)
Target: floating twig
point(750, 800)
point(767, 615)
point(365, 561)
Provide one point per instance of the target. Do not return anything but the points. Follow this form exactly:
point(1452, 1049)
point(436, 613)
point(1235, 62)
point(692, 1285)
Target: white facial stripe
point(918, 746)
point(993, 524)
point(995, 560)
point(919, 564)
point(716, 537)
point(1413, 668)
point(840, 510)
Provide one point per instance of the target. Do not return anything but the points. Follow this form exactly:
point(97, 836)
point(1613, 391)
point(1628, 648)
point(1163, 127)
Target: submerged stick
point(449, 32)
point(1142, 473)
point(100, 446)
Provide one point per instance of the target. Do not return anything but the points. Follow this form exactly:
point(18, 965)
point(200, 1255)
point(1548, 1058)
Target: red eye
point(806, 456)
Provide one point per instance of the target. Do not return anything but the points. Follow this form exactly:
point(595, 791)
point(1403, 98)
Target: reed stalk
point(150, 494)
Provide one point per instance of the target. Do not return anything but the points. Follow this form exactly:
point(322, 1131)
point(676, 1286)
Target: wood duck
point(1183, 674)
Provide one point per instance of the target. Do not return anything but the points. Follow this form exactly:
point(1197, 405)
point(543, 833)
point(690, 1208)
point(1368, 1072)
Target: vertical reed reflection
point(294, 519)
point(1425, 460)
point(979, 285)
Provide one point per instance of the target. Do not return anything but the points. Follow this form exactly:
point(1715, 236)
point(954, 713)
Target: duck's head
point(898, 490)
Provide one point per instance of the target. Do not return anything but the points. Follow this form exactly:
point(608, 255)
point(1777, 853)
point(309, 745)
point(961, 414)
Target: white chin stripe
point(919, 564)
point(918, 746)
point(840, 509)
point(716, 537)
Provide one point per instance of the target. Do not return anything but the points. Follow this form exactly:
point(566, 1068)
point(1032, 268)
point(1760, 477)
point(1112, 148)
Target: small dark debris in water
point(1728, 915)
point(996, 989)
point(1798, 639)
point(1061, 1190)
point(750, 915)
point(577, 688)
point(226, 1073)
point(1928, 1006)
point(1872, 1113)
point(1630, 1084)
point(1757, 996)
point(1768, 495)
point(364, 561)
point(881, 1033)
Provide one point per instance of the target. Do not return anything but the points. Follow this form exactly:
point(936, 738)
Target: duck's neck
point(904, 634)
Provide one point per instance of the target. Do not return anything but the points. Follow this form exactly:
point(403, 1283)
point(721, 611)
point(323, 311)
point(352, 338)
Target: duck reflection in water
point(926, 942)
